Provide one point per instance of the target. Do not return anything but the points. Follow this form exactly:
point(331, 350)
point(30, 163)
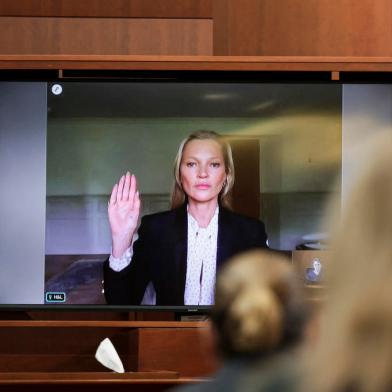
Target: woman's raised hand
point(123, 211)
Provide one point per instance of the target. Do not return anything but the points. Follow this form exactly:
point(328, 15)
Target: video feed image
point(286, 141)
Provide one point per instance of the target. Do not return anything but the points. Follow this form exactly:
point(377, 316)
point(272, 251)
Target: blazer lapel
point(224, 245)
point(225, 237)
point(181, 246)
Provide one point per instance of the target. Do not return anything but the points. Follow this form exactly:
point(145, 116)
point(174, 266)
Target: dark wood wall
point(197, 27)
point(302, 28)
point(201, 9)
point(139, 27)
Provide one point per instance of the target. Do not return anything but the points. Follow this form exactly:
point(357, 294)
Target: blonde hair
point(355, 346)
point(178, 196)
point(257, 296)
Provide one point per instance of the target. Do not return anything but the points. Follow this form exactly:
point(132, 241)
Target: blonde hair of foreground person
point(258, 305)
point(178, 196)
point(354, 351)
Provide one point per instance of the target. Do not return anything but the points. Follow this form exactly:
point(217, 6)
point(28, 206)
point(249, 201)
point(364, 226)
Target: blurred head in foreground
point(258, 305)
point(354, 352)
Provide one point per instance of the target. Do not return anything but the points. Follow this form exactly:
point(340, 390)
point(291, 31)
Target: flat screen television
point(65, 142)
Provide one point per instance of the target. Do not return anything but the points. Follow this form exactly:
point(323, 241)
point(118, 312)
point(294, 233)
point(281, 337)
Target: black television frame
point(295, 77)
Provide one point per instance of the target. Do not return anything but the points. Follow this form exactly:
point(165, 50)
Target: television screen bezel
point(217, 76)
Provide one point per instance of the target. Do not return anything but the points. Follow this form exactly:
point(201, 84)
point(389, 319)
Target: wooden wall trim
point(207, 63)
point(108, 9)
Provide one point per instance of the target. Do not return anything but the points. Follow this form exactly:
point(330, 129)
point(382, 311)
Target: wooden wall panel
point(27, 35)
point(194, 344)
point(184, 348)
point(58, 349)
point(112, 8)
point(303, 28)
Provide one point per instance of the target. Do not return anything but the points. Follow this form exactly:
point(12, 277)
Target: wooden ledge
point(153, 377)
point(206, 63)
point(101, 324)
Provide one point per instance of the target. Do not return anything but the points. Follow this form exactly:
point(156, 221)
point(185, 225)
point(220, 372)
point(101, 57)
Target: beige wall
point(299, 152)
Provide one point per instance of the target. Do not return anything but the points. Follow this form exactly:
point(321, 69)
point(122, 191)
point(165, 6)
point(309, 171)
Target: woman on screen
point(173, 258)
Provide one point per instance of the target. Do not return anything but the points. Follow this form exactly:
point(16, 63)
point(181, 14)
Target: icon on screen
point(52, 296)
point(57, 89)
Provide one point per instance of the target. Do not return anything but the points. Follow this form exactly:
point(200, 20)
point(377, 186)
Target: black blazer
point(160, 255)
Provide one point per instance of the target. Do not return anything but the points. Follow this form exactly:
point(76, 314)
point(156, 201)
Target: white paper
point(107, 355)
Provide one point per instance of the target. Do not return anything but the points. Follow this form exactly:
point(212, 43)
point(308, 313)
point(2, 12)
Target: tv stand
point(62, 351)
point(92, 381)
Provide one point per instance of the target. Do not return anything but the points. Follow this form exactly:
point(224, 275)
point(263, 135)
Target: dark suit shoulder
point(245, 229)
point(240, 219)
point(161, 217)
point(163, 223)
